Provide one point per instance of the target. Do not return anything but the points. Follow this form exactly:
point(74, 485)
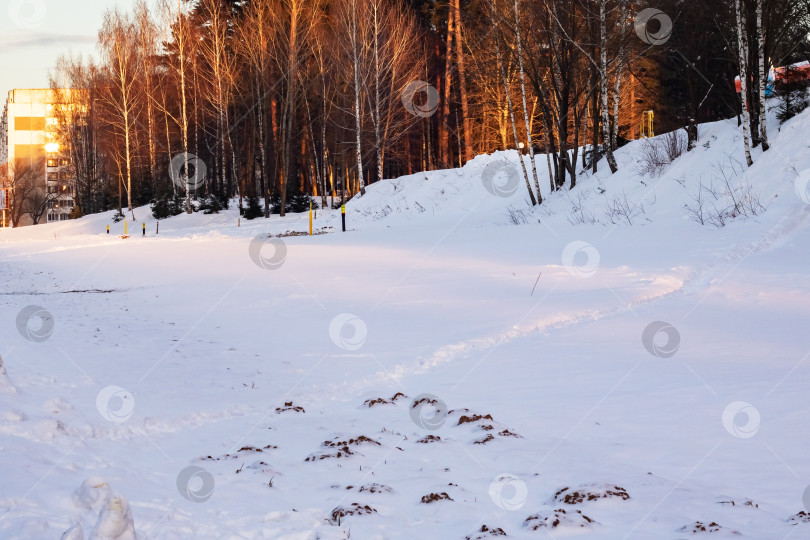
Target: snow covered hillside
point(456, 365)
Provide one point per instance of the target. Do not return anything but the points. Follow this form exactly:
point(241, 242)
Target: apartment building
point(40, 179)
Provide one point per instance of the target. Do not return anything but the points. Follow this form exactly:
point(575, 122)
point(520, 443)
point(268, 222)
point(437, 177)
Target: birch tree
point(763, 79)
point(394, 64)
point(525, 108)
point(353, 26)
point(742, 46)
point(603, 87)
point(147, 33)
point(617, 85)
point(176, 25)
point(256, 34)
point(511, 111)
point(118, 43)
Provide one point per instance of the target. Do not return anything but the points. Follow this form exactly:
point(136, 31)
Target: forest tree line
point(283, 100)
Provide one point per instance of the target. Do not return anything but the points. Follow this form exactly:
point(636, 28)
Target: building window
point(52, 162)
point(53, 177)
point(64, 162)
point(29, 123)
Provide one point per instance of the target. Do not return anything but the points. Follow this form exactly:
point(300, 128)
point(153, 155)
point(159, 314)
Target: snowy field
point(456, 365)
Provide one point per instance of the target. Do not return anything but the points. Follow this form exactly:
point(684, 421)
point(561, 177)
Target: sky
point(33, 33)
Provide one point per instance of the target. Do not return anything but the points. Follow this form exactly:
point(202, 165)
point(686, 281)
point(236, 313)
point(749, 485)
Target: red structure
point(781, 75)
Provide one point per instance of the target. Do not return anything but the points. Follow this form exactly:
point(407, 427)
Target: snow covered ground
point(456, 365)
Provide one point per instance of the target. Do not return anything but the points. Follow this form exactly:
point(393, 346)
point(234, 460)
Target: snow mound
point(115, 521)
point(92, 494)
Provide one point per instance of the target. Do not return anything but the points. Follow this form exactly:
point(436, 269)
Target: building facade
point(39, 177)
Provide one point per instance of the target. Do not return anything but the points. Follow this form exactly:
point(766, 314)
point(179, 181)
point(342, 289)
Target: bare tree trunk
point(357, 110)
point(181, 53)
point(234, 168)
point(315, 169)
point(119, 46)
point(742, 46)
point(763, 80)
point(603, 80)
point(595, 115)
point(168, 134)
point(324, 153)
point(377, 82)
point(289, 108)
point(196, 111)
point(444, 129)
point(147, 46)
point(426, 150)
point(469, 151)
point(458, 140)
point(525, 108)
point(129, 163)
point(262, 148)
point(614, 132)
point(514, 127)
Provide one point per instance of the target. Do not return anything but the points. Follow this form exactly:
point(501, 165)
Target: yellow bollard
point(125, 228)
point(646, 128)
point(310, 218)
point(108, 229)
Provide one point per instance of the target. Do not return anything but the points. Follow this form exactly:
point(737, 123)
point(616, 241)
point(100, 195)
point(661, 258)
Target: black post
point(144, 229)
point(343, 216)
